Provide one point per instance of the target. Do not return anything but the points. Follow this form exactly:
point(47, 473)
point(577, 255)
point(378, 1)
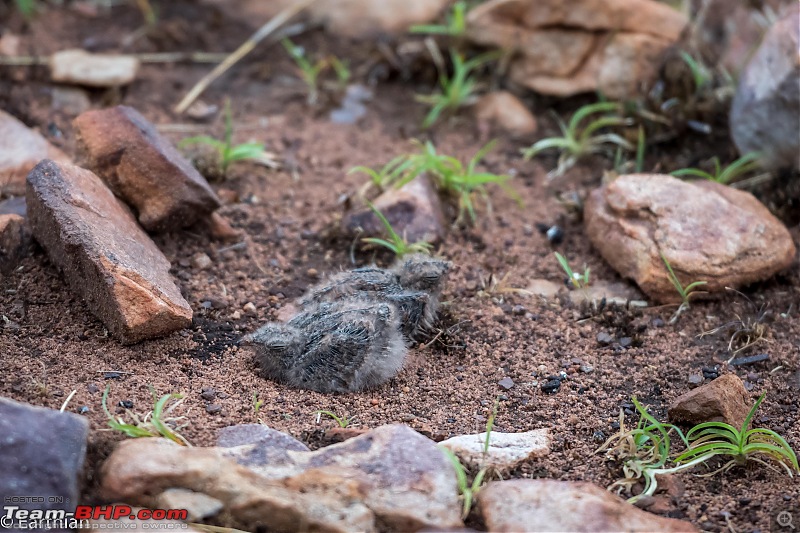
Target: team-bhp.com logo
point(16, 518)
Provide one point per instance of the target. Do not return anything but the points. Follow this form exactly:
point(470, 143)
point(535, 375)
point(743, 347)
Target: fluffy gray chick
point(413, 284)
point(342, 346)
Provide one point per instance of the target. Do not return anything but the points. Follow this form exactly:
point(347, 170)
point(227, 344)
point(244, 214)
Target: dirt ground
point(52, 344)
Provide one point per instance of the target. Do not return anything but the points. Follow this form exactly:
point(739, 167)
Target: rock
point(219, 228)
point(506, 450)
point(506, 383)
point(765, 113)
point(92, 70)
point(707, 232)
point(21, 148)
point(615, 293)
point(70, 100)
point(15, 238)
point(143, 169)
point(723, 400)
point(414, 211)
point(574, 46)
point(41, 454)
point(548, 505)
point(199, 505)
point(105, 256)
point(391, 477)
point(201, 261)
point(348, 18)
point(544, 288)
point(14, 206)
point(503, 110)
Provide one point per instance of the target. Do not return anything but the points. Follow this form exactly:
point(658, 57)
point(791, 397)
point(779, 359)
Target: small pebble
point(604, 338)
point(83, 410)
point(201, 261)
point(710, 372)
point(92, 388)
point(695, 379)
point(208, 393)
point(555, 235)
point(551, 386)
point(626, 342)
point(236, 315)
point(586, 369)
point(127, 404)
point(249, 308)
point(312, 273)
point(506, 383)
point(213, 409)
point(518, 310)
point(374, 401)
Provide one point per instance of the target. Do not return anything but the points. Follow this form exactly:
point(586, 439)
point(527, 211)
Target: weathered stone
point(349, 18)
point(198, 505)
point(503, 110)
point(707, 231)
point(70, 100)
point(574, 46)
point(544, 288)
point(414, 211)
point(765, 113)
point(41, 455)
point(92, 70)
point(391, 476)
point(614, 293)
point(723, 400)
point(21, 148)
point(506, 450)
point(534, 505)
point(143, 168)
point(15, 238)
point(105, 256)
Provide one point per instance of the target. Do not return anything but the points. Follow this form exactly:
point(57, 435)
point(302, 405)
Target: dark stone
point(551, 386)
point(41, 455)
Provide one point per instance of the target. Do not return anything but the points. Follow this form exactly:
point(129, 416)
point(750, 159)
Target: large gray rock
point(41, 457)
point(707, 231)
point(548, 505)
point(104, 254)
point(390, 478)
point(765, 114)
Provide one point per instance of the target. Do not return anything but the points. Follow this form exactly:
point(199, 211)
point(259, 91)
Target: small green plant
point(457, 90)
point(256, 405)
point(644, 451)
point(156, 423)
point(227, 152)
point(747, 163)
point(26, 7)
point(579, 281)
point(685, 292)
point(761, 445)
point(455, 23)
point(341, 421)
point(467, 490)
point(383, 178)
point(701, 75)
point(579, 141)
point(397, 244)
point(309, 72)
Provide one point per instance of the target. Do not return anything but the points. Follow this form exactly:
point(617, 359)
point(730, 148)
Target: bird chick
point(413, 284)
point(343, 346)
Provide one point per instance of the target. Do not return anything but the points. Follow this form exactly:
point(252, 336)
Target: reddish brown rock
point(15, 238)
point(414, 211)
point(765, 112)
point(707, 231)
point(723, 400)
point(143, 168)
point(104, 254)
point(574, 46)
point(548, 505)
point(503, 110)
point(21, 148)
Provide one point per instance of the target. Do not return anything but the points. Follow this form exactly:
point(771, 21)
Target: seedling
point(383, 178)
point(26, 7)
point(579, 281)
point(466, 490)
point(685, 292)
point(149, 14)
point(342, 421)
point(456, 91)
point(741, 445)
point(579, 141)
point(309, 72)
point(156, 423)
point(701, 75)
point(256, 405)
point(397, 244)
point(747, 163)
point(455, 23)
point(227, 153)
